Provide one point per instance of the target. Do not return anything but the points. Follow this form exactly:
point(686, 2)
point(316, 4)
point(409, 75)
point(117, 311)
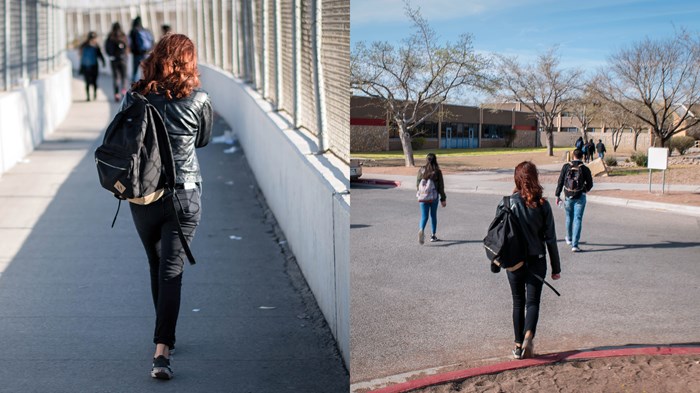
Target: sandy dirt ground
point(669, 373)
point(675, 175)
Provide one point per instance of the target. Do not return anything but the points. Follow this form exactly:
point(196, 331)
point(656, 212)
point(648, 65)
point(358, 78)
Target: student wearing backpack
point(170, 84)
point(90, 53)
point(431, 191)
point(575, 180)
point(600, 148)
point(141, 43)
point(536, 221)
point(116, 46)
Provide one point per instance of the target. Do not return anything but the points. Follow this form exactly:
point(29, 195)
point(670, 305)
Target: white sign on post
point(658, 158)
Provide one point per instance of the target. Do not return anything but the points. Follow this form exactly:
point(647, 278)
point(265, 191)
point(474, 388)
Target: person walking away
point(90, 53)
point(535, 218)
point(116, 45)
point(591, 150)
point(575, 180)
point(600, 148)
point(170, 82)
point(141, 43)
point(579, 143)
point(430, 183)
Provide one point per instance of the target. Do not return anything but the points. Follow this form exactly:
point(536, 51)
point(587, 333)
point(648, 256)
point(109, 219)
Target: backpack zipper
point(97, 160)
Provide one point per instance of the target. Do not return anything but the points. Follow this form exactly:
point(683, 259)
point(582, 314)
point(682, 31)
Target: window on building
point(494, 131)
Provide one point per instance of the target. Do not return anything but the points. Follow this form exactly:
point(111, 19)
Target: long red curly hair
point(527, 183)
point(171, 69)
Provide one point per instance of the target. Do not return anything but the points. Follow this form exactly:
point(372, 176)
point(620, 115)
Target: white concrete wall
point(28, 115)
point(304, 191)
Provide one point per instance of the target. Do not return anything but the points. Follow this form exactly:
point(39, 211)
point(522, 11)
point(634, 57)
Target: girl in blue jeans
point(431, 171)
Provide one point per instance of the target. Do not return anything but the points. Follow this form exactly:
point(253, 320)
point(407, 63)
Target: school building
point(451, 127)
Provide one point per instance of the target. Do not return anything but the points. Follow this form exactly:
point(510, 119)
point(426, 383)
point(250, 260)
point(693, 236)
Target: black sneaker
point(161, 368)
point(517, 353)
point(434, 239)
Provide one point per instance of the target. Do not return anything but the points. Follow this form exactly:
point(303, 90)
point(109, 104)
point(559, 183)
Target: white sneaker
point(575, 249)
point(568, 241)
point(421, 237)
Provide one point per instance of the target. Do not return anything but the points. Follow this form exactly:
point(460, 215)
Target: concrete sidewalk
point(75, 307)
point(491, 182)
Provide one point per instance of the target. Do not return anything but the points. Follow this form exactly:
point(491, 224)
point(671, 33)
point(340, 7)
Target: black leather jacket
point(189, 122)
point(538, 227)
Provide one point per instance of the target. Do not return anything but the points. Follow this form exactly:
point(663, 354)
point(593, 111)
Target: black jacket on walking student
point(170, 83)
point(536, 220)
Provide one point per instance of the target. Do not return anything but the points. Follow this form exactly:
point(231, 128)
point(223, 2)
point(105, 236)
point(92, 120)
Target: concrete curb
point(454, 376)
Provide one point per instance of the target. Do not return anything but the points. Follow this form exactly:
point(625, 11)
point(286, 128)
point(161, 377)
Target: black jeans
point(119, 80)
point(157, 227)
point(526, 290)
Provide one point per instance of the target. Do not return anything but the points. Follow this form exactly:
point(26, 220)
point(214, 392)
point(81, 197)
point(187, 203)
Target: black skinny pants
point(526, 291)
point(157, 227)
point(119, 75)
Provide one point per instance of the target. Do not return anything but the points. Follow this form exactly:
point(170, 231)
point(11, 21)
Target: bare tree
point(586, 107)
point(543, 88)
point(616, 120)
point(414, 78)
point(660, 76)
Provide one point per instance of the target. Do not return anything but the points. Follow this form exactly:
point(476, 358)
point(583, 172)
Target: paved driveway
point(416, 307)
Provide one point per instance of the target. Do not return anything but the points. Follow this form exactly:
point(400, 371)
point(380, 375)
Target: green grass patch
point(630, 171)
point(398, 154)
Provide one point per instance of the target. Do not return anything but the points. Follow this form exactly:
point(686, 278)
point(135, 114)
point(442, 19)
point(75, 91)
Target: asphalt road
point(416, 307)
point(75, 307)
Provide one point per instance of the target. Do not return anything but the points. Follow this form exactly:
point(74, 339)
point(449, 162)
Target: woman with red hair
point(537, 222)
point(170, 83)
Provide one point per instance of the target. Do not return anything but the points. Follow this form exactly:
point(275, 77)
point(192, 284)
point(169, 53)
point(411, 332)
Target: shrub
point(681, 143)
point(417, 143)
point(610, 161)
point(639, 158)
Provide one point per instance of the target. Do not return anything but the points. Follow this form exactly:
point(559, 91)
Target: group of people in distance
point(536, 220)
point(139, 42)
point(589, 148)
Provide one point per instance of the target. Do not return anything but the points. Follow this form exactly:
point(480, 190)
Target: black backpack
point(135, 161)
point(573, 183)
point(505, 244)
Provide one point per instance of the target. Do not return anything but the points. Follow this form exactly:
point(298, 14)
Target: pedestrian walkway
point(75, 304)
point(492, 182)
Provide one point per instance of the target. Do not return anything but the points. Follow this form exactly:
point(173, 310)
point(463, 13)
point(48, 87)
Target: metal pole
point(663, 182)
point(8, 37)
point(278, 57)
point(23, 40)
point(296, 45)
point(224, 35)
point(316, 42)
point(649, 180)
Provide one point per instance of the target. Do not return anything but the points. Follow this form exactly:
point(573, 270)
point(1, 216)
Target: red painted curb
point(379, 182)
point(538, 361)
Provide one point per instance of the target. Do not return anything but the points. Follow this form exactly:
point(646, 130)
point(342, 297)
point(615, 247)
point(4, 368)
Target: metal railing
point(32, 40)
point(295, 53)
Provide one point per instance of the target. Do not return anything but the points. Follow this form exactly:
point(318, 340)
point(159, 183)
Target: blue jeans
point(429, 208)
point(574, 215)
point(136, 61)
point(601, 155)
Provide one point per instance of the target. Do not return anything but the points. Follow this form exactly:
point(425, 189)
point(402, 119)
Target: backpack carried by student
point(505, 244)
point(135, 161)
point(573, 181)
point(426, 191)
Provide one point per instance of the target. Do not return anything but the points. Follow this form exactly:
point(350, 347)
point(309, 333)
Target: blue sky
point(586, 31)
